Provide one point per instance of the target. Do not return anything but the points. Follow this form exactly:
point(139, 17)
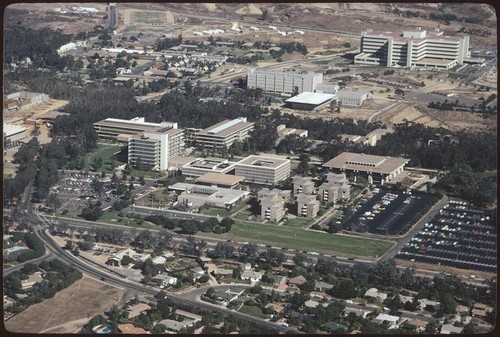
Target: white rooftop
point(311, 98)
point(11, 129)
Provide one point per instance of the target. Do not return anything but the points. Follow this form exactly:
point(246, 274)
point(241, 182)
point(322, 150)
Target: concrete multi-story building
point(376, 168)
point(272, 203)
point(195, 196)
point(303, 185)
point(283, 81)
point(224, 133)
point(201, 166)
point(335, 188)
point(263, 170)
point(307, 205)
point(414, 48)
point(14, 135)
point(122, 129)
point(152, 149)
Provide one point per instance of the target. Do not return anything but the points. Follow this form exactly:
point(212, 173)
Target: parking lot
point(75, 190)
point(460, 236)
point(387, 212)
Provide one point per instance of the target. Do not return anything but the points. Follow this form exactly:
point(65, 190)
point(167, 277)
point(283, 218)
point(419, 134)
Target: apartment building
point(413, 48)
point(283, 81)
point(307, 205)
point(303, 185)
point(272, 203)
point(224, 133)
point(263, 170)
point(335, 188)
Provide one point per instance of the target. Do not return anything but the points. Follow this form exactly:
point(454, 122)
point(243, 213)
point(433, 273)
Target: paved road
point(134, 286)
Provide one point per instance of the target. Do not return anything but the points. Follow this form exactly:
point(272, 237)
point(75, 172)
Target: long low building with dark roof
point(377, 168)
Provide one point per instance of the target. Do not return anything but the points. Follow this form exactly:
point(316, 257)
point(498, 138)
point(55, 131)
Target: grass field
point(148, 17)
point(252, 310)
point(222, 211)
point(297, 222)
point(60, 314)
point(106, 153)
point(305, 240)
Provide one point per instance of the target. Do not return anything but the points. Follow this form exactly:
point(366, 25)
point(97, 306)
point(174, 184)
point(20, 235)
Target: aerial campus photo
point(249, 168)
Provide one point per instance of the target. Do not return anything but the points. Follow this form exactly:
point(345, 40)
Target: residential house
point(194, 317)
point(32, 280)
point(447, 329)
point(197, 273)
point(374, 293)
point(115, 259)
point(297, 281)
point(129, 328)
point(311, 304)
point(172, 326)
point(334, 327)
point(358, 312)
point(223, 272)
point(165, 280)
point(425, 302)
point(392, 320)
point(253, 276)
point(405, 299)
point(159, 260)
point(322, 286)
point(137, 309)
point(277, 308)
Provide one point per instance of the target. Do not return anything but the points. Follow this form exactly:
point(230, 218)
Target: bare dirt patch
point(68, 310)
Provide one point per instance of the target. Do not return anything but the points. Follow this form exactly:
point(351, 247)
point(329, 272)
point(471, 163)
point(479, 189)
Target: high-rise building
point(413, 48)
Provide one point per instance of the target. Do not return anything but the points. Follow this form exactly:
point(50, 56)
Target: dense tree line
point(168, 43)
point(192, 226)
point(36, 246)
point(464, 182)
point(26, 158)
point(39, 45)
point(410, 140)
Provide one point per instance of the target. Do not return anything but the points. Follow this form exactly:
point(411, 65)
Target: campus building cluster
point(413, 48)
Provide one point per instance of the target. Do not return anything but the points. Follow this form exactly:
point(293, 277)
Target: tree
point(448, 303)
point(53, 202)
point(303, 167)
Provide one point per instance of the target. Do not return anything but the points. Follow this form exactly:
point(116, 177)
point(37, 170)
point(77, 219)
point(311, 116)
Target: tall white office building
point(413, 48)
point(283, 81)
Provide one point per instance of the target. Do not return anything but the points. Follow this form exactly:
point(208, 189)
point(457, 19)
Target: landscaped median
point(295, 238)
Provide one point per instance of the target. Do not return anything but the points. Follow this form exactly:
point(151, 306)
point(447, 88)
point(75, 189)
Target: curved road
point(130, 285)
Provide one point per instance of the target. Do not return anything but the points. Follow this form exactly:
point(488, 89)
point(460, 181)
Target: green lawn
point(252, 310)
point(295, 238)
point(148, 17)
point(297, 222)
point(222, 211)
point(243, 215)
point(106, 152)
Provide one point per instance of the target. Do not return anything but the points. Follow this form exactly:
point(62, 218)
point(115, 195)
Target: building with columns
point(377, 169)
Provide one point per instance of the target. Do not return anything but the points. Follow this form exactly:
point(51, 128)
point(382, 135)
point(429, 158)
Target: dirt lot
point(68, 310)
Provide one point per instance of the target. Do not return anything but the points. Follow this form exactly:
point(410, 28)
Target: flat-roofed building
point(198, 195)
point(219, 180)
point(224, 134)
point(200, 166)
point(283, 131)
point(272, 203)
point(151, 150)
point(23, 100)
point(303, 185)
point(14, 135)
point(377, 168)
point(370, 139)
point(335, 188)
point(353, 97)
point(113, 128)
point(263, 170)
point(283, 81)
point(307, 205)
point(413, 48)
point(310, 101)
point(327, 88)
